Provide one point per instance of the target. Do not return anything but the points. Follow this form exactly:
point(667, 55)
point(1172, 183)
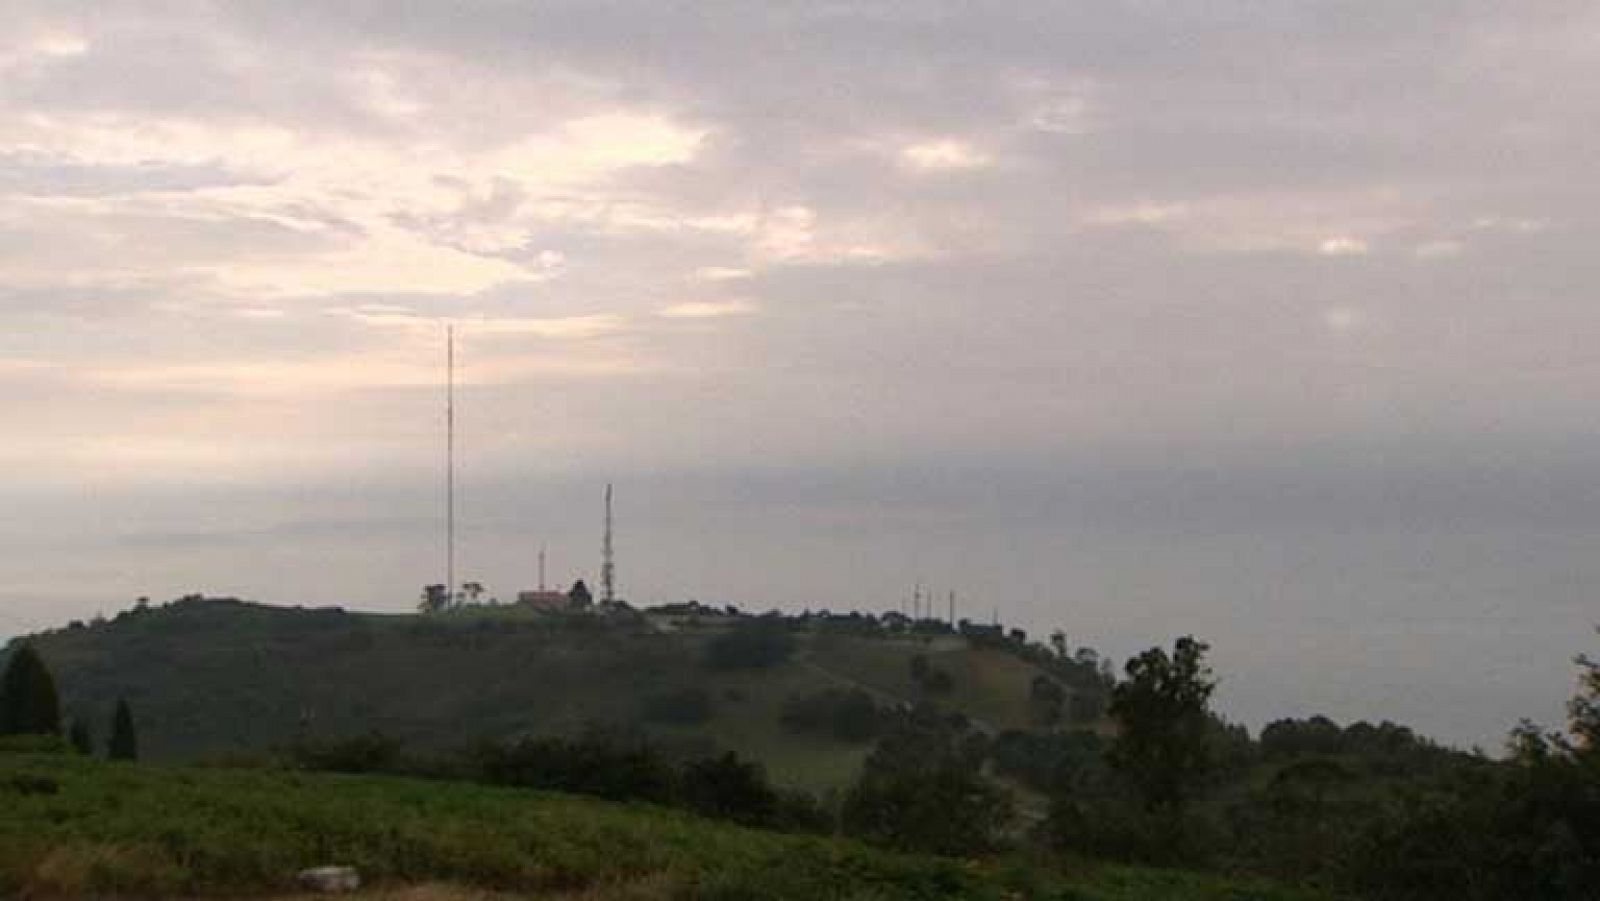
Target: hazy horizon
point(1262, 323)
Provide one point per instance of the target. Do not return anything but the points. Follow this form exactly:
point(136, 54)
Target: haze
point(1270, 323)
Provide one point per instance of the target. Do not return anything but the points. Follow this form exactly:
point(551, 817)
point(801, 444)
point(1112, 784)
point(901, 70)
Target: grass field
point(75, 827)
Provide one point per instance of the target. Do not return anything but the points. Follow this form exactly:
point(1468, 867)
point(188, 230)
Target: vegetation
point(752, 644)
point(1161, 749)
point(923, 789)
point(28, 701)
point(1005, 754)
point(124, 741)
point(845, 714)
point(70, 826)
point(1367, 809)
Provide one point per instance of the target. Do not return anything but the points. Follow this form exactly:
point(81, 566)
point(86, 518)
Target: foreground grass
point(70, 826)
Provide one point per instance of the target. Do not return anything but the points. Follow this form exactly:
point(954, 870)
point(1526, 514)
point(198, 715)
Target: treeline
point(30, 707)
point(1371, 810)
point(921, 789)
point(603, 763)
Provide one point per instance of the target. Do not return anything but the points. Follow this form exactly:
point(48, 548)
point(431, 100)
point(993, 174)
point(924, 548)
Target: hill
point(213, 677)
point(72, 826)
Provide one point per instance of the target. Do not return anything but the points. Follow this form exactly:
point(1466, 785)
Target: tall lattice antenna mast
point(450, 462)
point(608, 569)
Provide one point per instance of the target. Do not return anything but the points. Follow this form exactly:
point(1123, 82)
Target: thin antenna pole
point(952, 609)
point(450, 463)
point(608, 572)
point(541, 567)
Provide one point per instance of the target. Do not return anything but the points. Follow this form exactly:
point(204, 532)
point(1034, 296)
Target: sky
point(1270, 323)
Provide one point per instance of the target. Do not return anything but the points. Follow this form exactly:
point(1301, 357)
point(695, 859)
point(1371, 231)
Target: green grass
point(121, 829)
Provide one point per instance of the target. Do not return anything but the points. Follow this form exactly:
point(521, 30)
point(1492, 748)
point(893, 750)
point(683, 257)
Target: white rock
point(330, 880)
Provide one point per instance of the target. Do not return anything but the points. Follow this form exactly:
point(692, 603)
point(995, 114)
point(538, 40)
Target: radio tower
point(608, 569)
point(450, 463)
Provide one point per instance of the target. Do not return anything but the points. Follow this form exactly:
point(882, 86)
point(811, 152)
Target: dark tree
point(730, 789)
point(1583, 711)
point(81, 738)
point(28, 701)
point(434, 598)
point(753, 644)
point(1046, 701)
point(124, 743)
point(687, 706)
point(922, 789)
point(846, 714)
point(578, 597)
point(1162, 748)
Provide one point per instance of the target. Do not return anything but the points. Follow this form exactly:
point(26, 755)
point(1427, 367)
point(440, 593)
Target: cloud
point(944, 155)
point(707, 309)
point(1342, 246)
point(1438, 250)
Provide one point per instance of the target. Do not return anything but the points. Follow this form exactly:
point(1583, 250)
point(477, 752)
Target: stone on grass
point(330, 879)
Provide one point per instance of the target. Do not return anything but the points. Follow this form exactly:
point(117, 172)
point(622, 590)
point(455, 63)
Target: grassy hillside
point(71, 826)
point(217, 676)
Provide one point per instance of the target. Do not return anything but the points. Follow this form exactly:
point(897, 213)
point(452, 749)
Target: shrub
point(754, 644)
point(848, 715)
point(687, 706)
point(922, 790)
point(728, 788)
point(373, 752)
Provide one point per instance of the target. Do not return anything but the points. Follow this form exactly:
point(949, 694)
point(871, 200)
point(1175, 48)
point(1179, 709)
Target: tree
point(472, 590)
point(1161, 709)
point(923, 789)
point(29, 704)
point(1058, 641)
point(1046, 701)
point(753, 644)
point(729, 788)
point(1583, 711)
point(578, 597)
point(124, 743)
point(80, 736)
point(434, 598)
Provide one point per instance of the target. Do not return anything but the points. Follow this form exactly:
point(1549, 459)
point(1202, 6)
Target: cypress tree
point(124, 743)
point(81, 738)
point(28, 701)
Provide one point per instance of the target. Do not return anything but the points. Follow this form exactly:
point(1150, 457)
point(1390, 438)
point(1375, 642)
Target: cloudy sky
point(1269, 322)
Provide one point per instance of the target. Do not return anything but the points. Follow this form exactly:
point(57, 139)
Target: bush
point(728, 788)
point(689, 706)
point(848, 715)
point(922, 790)
point(370, 753)
point(754, 644)
point(593, 765)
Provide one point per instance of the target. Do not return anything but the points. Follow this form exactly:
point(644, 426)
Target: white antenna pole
point(450, 463)
point(608, 573)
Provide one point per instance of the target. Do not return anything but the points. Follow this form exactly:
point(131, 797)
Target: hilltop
point(213, 677)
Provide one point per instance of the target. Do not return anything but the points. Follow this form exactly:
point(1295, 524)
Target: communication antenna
point(450, 462)
point(952, 609)
point(608, 570)
point(541, 567)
